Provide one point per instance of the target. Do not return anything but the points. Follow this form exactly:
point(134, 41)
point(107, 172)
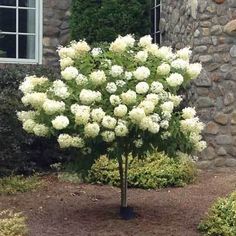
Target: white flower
point(81, 80)
point(163, 69)
point(41, 130)
point(65, 52)
point(129, 40)
point(164, 124)
point(147, 106)
point(28, 125)
point(111, 87)
point(179, 64)
point(200, 146)
point(60, 89)
point(115, 100)
point(76, 108)
point(141, 73)
point(188, 113)
point(142, 88)
point(153, 49)
point(66, 62)
point(69, 73)
point(30, 82)
point(184, 53)
point(191, 125)
point(108, 136)
point(155, 117)
point(145, 41)
point(165, 53)
point(129, 97)
point(26, 115)
point(156, 87)
point(77, 142)
point(80, 47)
point(34, 99)
point(91, 130)
point(175, 99)
point(82, 118)
point(120, 111)
point(88, 97)
point(96, 52)
point(121, 130)
point(60, 122)
point(175, 80)
point(137, 114)
point(119, 45)
point(109, 122)
point(154, 98)
point(128, 75)
point(97, 114)
point(98, 77)
point(141, 56)
point(145, 123)
point(138, 143)
point(194, 70)
point(167, 107)
point(154, 128)
point(51, 106)
point(120, 83)
point(64, 140)
point(116, 71)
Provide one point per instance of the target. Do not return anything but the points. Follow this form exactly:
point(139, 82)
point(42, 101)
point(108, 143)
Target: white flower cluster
point(106, 95)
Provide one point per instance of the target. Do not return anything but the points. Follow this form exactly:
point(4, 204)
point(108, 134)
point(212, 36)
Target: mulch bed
point(63, 209)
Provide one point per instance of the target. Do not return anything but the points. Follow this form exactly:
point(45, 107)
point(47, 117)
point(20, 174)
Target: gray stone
point(200, 49)
point(203, 164)
point(225, 68)
point(206, 58)
point(232, 3)
point(222, 152)
point(230, 28)
point(233, 118)
point(175, 17)
point(229, 99)
point(203, 80)
point(204, 102)
point(223, 139)
point(221, 118)
point(216, 30)
point(196, 33)
point(230, 162)
point(233, 51)
point(211, 128)
point(219, 162)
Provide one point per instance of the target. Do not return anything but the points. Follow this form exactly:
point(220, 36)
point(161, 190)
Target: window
point(156, 14)
point(20, 31)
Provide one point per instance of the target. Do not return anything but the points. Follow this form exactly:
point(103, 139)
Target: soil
point(64, 209)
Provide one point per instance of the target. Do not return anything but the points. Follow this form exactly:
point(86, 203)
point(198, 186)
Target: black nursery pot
point(127, 213)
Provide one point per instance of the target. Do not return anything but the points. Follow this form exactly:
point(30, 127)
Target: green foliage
point(221, 219)
point(156, 171)
point(12, 224)
point(18, 184)
point(19, 152)
point(103, 20)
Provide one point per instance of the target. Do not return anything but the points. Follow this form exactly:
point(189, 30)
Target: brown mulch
point(62, 209)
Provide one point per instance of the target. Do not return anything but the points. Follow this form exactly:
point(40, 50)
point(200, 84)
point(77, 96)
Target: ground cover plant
point(117, 100)
point(12, 224)
point(18, 184)
point(221, 219)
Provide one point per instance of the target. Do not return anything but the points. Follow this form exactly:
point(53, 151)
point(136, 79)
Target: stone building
point(208, 26)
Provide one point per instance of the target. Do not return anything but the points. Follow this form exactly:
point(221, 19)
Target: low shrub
point(18, 184)
point(156, 171)
point(221, 218)
point(12, 224)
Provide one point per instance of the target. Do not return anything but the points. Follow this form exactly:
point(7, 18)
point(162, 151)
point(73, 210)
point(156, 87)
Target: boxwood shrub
point(103, 20)
point(221, 218)
point(156, 171)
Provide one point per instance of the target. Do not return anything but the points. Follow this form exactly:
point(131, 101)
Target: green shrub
point(156, 171)
point(103, 20)
point(18, 184)
point(221, 219)
point(12, 224)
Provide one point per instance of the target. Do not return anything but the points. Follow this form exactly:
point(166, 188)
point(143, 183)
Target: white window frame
point(38, 34)
point(155, 31)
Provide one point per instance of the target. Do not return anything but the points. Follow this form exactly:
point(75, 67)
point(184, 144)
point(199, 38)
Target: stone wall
point(55, 28)
point(211, 32)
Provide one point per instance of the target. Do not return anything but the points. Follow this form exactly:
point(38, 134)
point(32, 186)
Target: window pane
point(27, 3)
point(8, 2)
point(158, 16)
point(7, 46)
point(26, 21)
point(7, 20)
point(27, 46)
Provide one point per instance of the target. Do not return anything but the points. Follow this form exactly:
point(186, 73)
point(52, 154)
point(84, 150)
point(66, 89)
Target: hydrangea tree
point(122, 96)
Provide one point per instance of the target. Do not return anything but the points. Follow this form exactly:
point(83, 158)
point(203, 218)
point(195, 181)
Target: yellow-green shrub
point(12, 224)
point(156, 171)
point(221, 219)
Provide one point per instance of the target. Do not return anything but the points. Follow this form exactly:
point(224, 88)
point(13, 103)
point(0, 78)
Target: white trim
point(38, 35)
